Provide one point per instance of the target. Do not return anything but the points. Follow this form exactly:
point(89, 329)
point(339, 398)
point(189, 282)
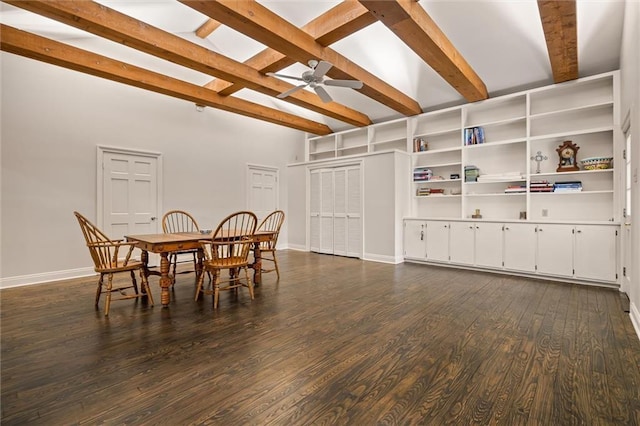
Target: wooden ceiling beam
point(411, 23)
point(207, 28)
point(337, 23)
point(40, 48)
point(259, 23)
point(113, 25)
point(559, 22)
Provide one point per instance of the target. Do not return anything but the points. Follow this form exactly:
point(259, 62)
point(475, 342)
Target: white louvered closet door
point(340, 212)
point(354, 212)
point(326, 211)
point(335, 211)
point(314, 207)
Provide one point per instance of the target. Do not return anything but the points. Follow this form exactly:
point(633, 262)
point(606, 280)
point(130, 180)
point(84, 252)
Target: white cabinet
point(488, 244)
point(596, 254)
point(437, 241)
point(415, 232)
point(461, 243)
point(555, 249)
point(520, 247)
point(426, 240)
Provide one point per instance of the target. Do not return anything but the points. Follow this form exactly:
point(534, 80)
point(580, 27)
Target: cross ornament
point(538, 158)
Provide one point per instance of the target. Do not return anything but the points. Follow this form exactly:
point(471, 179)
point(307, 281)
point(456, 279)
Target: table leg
point(144, 258)
point(165, 279)
point(257, 264)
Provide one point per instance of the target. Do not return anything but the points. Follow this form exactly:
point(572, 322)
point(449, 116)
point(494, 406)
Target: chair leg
point(249, 282)
point(174, 256)
point(216, 289)
point(199, 286)
point(134, 282)
point(99, 290)
point(275, 262)
point(107, 303)
point(145, 285)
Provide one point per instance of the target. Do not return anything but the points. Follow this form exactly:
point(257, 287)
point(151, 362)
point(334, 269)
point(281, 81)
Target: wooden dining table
point(165, 244)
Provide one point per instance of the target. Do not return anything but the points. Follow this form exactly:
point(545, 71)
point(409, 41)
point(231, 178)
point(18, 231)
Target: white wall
point(630, 82)
point(52, 119)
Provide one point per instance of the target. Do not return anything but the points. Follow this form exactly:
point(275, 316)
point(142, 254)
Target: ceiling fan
point(314, 78)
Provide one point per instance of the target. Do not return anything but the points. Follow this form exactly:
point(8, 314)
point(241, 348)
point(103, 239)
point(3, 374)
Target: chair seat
point(229, 262)
point(120, 267)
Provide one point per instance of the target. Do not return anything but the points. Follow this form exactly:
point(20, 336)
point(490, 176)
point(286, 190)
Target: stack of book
point(421, 174)
point(423, 192)
point(540, 186)
point(515, 189)
point(471, 173)
point(501, 177)
point(569, 186)
point(437, 191)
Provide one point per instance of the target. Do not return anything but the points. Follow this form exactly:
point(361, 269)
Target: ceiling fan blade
point(322, 68)
point(272, 74)
point(323, 94)
point(290, 91)
point(354, 84)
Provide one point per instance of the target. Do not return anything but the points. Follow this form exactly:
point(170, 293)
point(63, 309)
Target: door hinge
point(616, 232)
point(616, 275)
point(573, 272)
point(624, 154)
point(624, 271)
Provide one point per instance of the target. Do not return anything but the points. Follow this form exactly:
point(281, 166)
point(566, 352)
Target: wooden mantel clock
point(567, 153)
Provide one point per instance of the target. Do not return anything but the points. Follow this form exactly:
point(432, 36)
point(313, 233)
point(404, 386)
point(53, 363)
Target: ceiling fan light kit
point(315, 78)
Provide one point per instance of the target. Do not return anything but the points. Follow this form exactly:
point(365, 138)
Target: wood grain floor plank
point(334, 341)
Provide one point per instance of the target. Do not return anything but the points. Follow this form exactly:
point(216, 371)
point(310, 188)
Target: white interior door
point(263, 190)
point(129, 188)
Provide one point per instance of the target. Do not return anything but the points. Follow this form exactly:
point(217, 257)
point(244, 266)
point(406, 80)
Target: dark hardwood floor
point(335, 341)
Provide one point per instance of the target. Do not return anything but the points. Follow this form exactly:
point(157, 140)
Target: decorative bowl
point(205, 231)
point(596, 163)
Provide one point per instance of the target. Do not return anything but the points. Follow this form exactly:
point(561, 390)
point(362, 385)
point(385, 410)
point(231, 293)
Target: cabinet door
point(461, 242)
point(555, 250)
point(340, 212)
point(415, 239)
point(488, 245)
point(595, 252)
point(520, 247)
point(438, 241)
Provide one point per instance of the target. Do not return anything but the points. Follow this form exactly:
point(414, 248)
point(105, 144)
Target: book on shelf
point(419, 145)
point(422, 174)
point(500, 177)
point(515, 189)
point(540, 186)
point(473, 135)
point(568, 186)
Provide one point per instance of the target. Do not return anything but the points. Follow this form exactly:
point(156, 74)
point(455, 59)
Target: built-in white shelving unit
point(503, 137)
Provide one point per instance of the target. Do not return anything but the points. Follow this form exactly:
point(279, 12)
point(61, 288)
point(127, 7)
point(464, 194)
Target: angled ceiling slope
point(422, 50)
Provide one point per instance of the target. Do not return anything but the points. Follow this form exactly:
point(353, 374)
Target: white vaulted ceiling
point(502, 41)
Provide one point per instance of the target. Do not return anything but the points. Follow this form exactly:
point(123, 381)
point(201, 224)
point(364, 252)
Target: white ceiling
point(502, 40)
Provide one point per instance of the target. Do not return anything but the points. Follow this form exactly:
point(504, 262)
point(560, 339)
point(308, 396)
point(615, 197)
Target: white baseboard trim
point(22, 280)
point(634, 314)
point(382, 259)
point(297, 247)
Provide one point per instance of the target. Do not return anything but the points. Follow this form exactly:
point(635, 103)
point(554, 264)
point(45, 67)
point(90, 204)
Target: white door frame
point(101, 151)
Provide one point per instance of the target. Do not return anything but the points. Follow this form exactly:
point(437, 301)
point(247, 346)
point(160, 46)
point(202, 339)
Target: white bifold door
point(335, 211)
